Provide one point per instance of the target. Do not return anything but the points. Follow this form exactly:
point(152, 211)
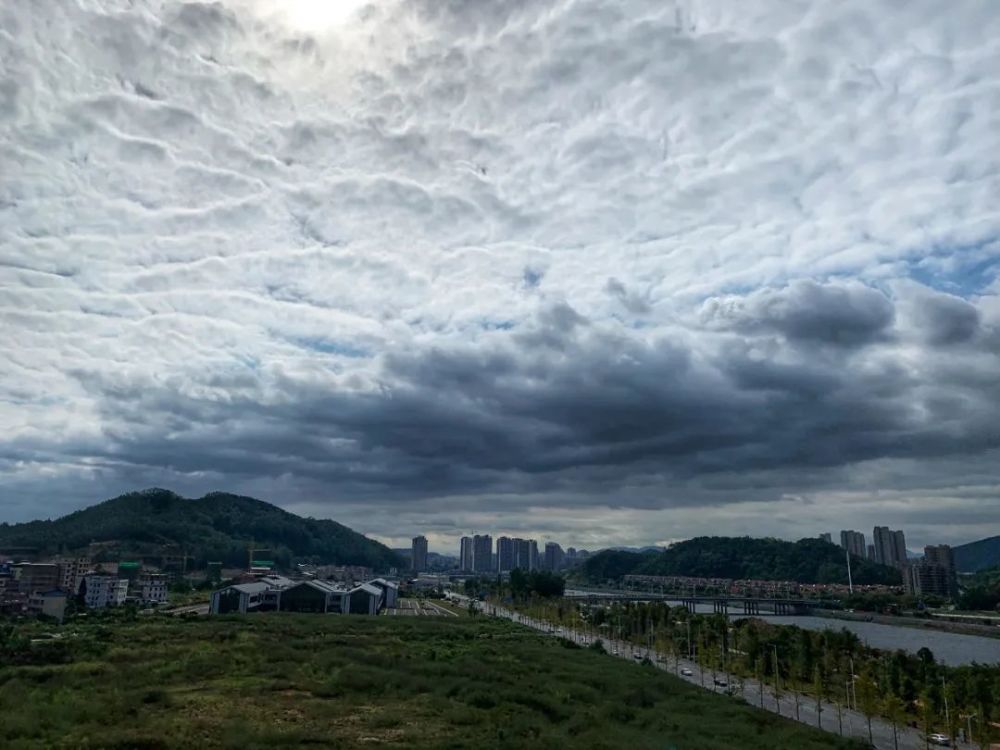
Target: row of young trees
point(825, 665)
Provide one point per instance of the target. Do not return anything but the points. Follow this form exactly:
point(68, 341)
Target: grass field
point(278, 681)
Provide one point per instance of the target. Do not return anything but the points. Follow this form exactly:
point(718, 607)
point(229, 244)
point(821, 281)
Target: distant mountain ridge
point(218, 526)
point(804, 561)
point(976, 556)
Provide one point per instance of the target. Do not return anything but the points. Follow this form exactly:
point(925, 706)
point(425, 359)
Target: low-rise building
point(49, 603)
point(240, 597)
point(312, 596)
point(149, 588)
point(364, 599)
point(33, 577)
point(253, 595)
point(100, 591)
point(390, 592)
point(72, 570)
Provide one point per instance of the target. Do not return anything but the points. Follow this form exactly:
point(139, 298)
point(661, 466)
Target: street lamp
point(968, 724)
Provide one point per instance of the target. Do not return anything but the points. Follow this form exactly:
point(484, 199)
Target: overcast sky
point(600, 272)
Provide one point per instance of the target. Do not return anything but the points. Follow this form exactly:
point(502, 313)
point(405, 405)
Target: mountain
point(218, 526)
point(976, 556)
point(805, 561)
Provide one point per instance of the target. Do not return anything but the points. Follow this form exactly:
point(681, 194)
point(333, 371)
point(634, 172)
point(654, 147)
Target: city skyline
point(615, 273)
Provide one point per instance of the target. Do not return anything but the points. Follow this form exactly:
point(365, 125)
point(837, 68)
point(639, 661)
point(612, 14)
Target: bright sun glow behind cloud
point(319, 15)
point(313, 16)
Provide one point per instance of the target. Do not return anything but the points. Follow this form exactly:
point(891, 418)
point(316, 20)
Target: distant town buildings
point(853, 542)
point(419, 554)
point(477, 555)
point(826, 537)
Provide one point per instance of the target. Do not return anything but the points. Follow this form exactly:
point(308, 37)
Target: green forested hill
point(805, 561)
point(218, 526)
point(978, 555)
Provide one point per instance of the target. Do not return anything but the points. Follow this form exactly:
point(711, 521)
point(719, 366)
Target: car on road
point(937, 738)
point(719, 682)
point(637, 657)
point(687, 672)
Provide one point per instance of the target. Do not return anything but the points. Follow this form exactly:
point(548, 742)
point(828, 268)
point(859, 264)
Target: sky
point(602, 273)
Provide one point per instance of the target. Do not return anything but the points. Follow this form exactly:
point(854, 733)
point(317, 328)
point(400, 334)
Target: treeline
point(217, 526)
point(829, 665)
point(804, 561)
point(521, 586)
point(981, 591)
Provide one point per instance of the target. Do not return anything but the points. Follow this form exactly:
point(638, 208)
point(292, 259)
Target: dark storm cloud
point(848, 314)
point(572, 405)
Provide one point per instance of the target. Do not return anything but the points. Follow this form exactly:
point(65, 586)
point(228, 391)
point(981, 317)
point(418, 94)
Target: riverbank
point(917, 623)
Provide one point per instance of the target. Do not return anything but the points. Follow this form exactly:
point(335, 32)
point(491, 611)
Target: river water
point(949, 648)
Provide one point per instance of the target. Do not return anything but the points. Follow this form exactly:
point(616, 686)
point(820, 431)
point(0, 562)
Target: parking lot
point(418, 607)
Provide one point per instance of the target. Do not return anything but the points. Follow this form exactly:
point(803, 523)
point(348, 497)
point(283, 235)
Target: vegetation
point(981, 591)
point(280, 680)
point(804, 561)
point(522, 585)
point(890, 603)
point(903, 687)
point(218, 526)
point(976, 556)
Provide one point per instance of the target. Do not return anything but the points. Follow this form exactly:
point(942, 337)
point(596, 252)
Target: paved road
point(845, 722)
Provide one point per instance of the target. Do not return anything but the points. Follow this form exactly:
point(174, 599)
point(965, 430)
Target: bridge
point(721, 604)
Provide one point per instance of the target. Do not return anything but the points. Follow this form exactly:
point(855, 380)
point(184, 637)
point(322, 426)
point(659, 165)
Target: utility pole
point(850, 581)
point(777, 695)
point(947, 716)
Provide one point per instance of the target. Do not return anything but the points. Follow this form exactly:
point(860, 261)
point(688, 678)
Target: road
point(838, 721)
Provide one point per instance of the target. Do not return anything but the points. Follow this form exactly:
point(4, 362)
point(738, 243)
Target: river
point(952, 649)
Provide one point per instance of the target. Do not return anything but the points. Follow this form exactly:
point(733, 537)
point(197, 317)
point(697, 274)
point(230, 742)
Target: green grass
point(279, 681)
